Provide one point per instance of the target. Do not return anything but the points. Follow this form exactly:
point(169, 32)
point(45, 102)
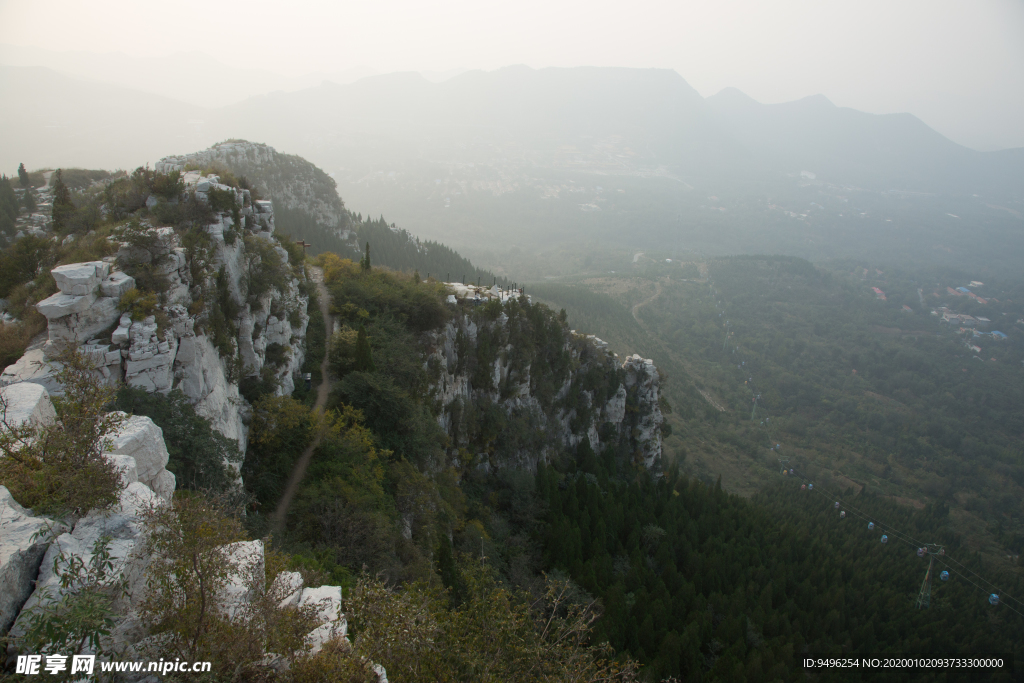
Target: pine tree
point(364, 263)
point(8, 202)
point(23, 175)
point(63, 207)
point(363, 355)
point(449, 571)
point(30, 201)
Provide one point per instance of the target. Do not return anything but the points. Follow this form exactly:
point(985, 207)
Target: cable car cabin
point(803, 487)
point(871, 526)
point(993, 599)
point(842, 515)
point(944, 575)
point(885, 539)
point(920, 552)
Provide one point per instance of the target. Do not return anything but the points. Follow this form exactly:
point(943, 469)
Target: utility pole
point(924, 596)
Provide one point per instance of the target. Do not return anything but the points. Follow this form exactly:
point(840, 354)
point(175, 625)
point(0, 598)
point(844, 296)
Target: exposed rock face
point(643, 379)
point(291, 181)
point(21, 552)
point(142, 440)
point(85, 307)
point(33, 367)
point(26, 403)
point(573, 414)
point(179, 353)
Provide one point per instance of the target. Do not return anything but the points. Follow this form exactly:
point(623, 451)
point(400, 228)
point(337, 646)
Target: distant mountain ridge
point(842, 143)
point(403, 116)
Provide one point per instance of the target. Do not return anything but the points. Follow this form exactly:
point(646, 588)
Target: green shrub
point(16, 337)
point(495, 634)
point(188, 541)
point(9, 208)
point(80, 178)
point(254, 387)
point(296, 254)
point(280, 429)
point(60, 469)
point(63, 208)
point(22, 261)
point(264, 269)
point(126, 195)
point(138, 304)
point(168, 185)
point(222, 317)
point(277, 354)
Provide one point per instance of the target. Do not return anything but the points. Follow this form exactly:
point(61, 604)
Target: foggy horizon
point(955, 67)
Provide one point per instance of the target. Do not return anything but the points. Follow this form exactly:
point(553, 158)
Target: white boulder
point(248, 571)
point(117, 284)
point(123, 525)
point(33, 367)
point(288, 584)
point(23, 542)
point(26, 402)
point(140, 438)
point(61, 304)
point(327, 602)
point(126, 466)
point(80, 279)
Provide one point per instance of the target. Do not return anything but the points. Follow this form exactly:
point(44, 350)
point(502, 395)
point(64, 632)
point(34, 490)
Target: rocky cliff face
point(259, 321)
point(580, 390)
point(290, 181)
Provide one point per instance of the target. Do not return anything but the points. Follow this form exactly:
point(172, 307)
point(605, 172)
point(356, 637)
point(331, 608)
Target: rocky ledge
point(30, 545)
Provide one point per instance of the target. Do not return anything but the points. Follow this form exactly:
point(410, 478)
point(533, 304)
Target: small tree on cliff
point(63, 207)
point(23, 175)
point(363, 354)
point(59, 468)
point(364, 262)
point(30, 201)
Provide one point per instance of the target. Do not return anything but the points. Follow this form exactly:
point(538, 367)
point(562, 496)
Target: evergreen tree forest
point(393, 247)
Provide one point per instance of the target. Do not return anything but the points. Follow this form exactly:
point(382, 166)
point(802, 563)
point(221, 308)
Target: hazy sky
point(958, 65)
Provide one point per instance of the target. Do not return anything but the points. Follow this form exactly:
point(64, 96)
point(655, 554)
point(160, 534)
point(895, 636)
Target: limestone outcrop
point(292, 182)
point(23, 542)
point(575, 412)
point(643, 380)
point(26, 403)
point(172, 347)
point(140, 439)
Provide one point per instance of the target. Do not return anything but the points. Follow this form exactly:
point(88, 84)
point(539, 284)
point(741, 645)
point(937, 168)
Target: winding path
point(652, 297)
point(322, 391)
